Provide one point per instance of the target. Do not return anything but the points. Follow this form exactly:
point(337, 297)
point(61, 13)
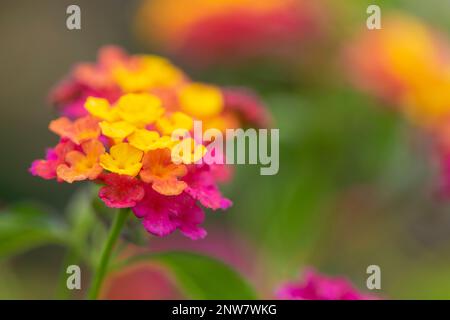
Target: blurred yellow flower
point(149, 72)
point(406, 63)
point(201, 100)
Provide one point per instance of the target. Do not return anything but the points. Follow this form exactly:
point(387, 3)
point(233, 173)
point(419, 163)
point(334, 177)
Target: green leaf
point(81, 215)
point(26, 226)
point(201, 277)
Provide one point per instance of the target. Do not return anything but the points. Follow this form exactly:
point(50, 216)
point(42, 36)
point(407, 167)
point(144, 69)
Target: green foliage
point(26, 226)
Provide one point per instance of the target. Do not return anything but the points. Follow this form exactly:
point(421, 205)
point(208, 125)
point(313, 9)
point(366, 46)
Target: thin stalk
point(102, 267)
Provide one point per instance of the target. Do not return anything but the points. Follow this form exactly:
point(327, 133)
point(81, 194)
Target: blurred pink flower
point(248, 106)
point(209, 31)
point(144, 281)
point(316, 286)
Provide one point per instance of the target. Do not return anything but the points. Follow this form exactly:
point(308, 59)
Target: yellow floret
point(201, 100)
point(122, 159)
point(139, 109)
point(117, 130)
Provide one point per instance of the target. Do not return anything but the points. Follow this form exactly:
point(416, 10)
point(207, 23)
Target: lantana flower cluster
point(407, 64)
point(209, 31)
point(118, 116)
point(316, 286)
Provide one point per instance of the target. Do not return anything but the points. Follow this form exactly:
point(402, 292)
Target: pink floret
point(202, 187)
point(316, 286)
point(162, 215)
point(121, 191)
point(46, 168)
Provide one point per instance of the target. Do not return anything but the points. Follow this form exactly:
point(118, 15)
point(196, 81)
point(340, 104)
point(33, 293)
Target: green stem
point(118, 223)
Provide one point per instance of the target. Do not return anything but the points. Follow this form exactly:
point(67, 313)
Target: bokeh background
point(356, 181)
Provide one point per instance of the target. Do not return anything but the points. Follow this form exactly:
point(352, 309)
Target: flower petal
point(120, 191)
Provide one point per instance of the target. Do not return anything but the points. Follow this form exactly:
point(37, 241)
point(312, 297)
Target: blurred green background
point(355, 185)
